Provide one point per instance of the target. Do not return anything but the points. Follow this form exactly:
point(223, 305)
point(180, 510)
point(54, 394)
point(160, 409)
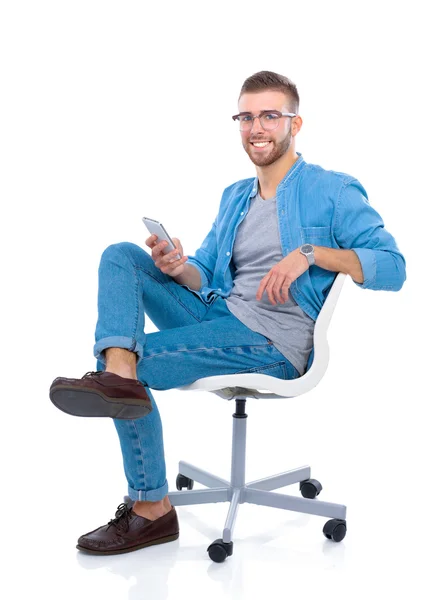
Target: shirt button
point(219, 289)
point(242, 213)
point(228, 253)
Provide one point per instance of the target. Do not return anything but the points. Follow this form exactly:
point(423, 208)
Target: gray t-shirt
point(257, 248)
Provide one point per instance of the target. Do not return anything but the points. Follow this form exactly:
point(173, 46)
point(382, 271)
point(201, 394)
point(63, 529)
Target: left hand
point(277, 282)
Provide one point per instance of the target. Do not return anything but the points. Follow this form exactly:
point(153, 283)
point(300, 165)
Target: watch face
point(307, 248)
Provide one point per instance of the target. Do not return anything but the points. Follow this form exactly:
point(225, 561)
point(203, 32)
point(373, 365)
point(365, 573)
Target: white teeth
point(260, 144)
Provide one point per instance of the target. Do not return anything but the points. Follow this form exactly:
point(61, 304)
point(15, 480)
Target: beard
point(263, 159)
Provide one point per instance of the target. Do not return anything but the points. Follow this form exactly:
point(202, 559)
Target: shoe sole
point(163, 540)
point(88, 403)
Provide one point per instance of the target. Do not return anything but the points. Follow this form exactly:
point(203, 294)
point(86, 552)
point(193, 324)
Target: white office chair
point(237, 491)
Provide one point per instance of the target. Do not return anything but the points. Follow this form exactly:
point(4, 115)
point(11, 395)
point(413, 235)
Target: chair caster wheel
point(310, 488)
point(182, 481)
point(335, 530)
point(219, 550)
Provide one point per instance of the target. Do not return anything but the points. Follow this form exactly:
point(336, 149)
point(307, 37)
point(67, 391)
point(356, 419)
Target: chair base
point(258, 492)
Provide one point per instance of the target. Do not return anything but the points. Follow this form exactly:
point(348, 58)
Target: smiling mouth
point(260, 144)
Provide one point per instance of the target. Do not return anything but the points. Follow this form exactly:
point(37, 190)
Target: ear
point(296, 125)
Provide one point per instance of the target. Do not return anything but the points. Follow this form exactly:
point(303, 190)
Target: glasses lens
point(270, 120)
point(245, 122)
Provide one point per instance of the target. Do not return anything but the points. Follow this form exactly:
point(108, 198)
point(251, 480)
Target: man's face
point(278, 139)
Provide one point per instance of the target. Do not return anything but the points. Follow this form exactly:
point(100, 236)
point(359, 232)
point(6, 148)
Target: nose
point(257, 127)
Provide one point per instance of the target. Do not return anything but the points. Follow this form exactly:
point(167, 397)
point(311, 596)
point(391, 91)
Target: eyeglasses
point(269, 119)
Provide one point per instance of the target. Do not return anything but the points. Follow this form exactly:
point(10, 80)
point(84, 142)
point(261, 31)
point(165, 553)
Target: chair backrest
point(321, 348)
point(228, 386)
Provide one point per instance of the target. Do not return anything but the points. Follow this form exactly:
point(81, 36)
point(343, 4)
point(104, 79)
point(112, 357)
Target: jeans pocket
point(277, 369)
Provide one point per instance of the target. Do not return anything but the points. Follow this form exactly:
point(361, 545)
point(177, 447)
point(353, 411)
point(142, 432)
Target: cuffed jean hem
point(150, 495)
point(126, 343)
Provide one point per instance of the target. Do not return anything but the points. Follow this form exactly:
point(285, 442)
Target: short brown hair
point(268, 80)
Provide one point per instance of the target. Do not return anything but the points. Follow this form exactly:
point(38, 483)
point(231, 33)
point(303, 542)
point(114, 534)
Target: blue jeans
point(195, 340)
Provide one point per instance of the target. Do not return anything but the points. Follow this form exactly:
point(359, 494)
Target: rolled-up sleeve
point(205, 257)
point(359, 227)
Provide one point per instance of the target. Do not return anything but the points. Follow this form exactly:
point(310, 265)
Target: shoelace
point(122, 518)
point(90, 374)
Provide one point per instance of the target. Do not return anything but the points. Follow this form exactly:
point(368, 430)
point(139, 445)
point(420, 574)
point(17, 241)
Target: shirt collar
point(289, 173)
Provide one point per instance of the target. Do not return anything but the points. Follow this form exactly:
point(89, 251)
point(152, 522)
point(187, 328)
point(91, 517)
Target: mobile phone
point(162, 235)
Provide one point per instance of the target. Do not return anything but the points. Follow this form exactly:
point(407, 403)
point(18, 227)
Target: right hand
point(167, 263)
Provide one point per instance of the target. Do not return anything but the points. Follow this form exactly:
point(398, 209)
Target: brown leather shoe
point(128, 532)
point(101, 394)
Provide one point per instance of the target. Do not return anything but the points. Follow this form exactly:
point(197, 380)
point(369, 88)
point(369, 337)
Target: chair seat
point(248, 385)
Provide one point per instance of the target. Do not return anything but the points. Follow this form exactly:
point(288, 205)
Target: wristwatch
point(308, 251)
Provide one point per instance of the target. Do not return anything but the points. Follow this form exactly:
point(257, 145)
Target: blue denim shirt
point(316, 206)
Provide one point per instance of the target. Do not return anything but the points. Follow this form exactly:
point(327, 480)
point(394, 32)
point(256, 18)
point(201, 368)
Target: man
point(247, 300)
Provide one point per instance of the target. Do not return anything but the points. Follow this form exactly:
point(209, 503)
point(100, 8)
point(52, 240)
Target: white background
point(110, 111)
